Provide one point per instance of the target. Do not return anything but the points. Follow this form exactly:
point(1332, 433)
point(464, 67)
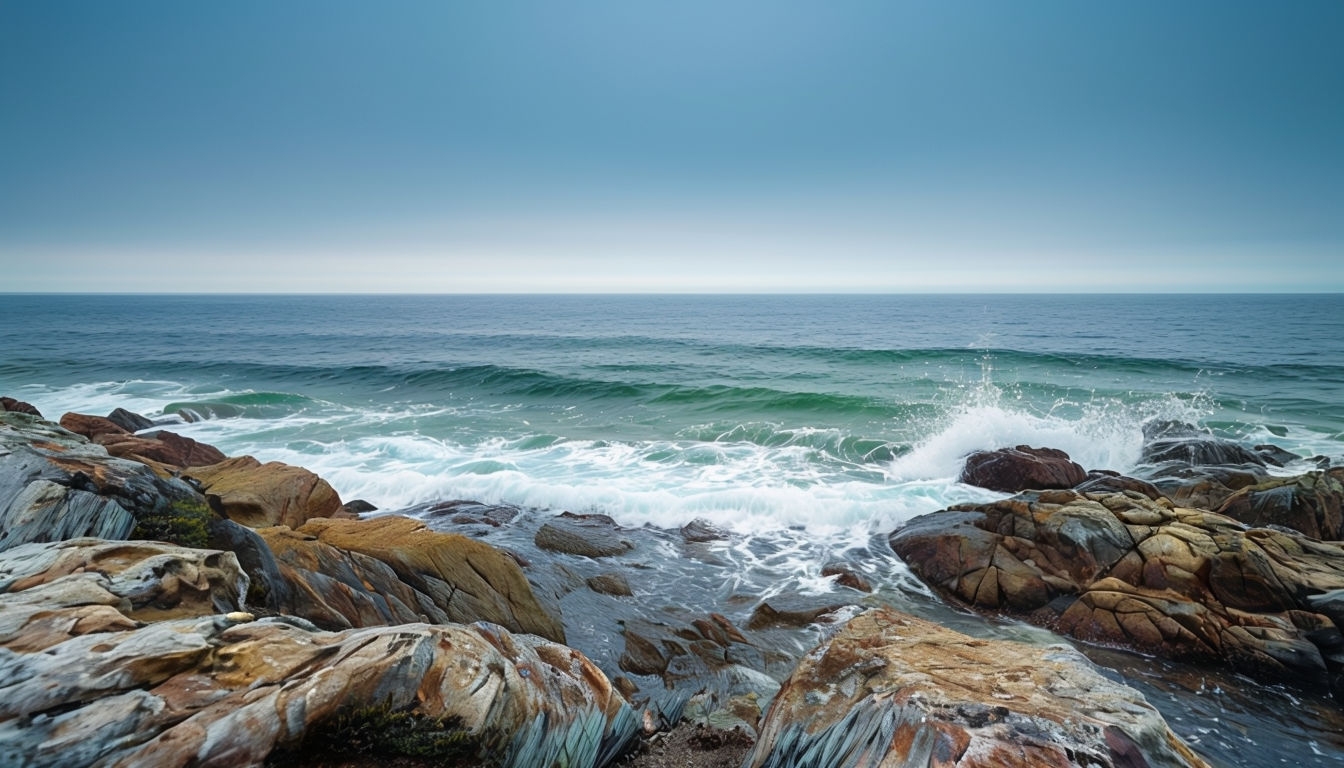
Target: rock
point(465, 513)
point(585, 535)
point(90, 426)
point(1203, 487)
point(388, 570)
point(129, 420)
point(1106, 481)
point(794, 611)
point(611, 583)
point(694, 657)
point(1310, 503)
point(213, 692)
point(18, 406)
point(140, 580)
point(1276, 456)
point(162, 447)
point(1122, 569)
point(56, 485)
point(1181, 443)
point(356, 507)
point(890, 689)
point(1010, 470)
point(258, 495)
point(846, 577)
point(700, 530)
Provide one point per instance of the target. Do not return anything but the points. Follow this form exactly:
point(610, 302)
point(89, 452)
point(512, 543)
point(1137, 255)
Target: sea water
point(808, 425)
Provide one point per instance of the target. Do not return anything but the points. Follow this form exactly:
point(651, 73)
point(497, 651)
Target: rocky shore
point(162, 603)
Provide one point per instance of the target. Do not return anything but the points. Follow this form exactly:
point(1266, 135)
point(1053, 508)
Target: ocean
point(809, 425)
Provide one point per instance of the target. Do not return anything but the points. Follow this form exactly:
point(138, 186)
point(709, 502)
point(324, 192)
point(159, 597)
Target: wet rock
point(691, 656)
point(1010, 470)
point(129, 420)
point(1311, 503)
point(356, 507)
point(794, 610)
point(890, 689)
point(700, 530)
point(846, 577)
point(1203, 487)
point(1276, 456)
point(388, 570)
point(18, 406)
point(214, 692)
point(56, 485)
point(258, 495)
point(1182, 443)
point(610, 583)
point(466, 513)
point(585, 535)
point(1125, 570)
point(1106, 481)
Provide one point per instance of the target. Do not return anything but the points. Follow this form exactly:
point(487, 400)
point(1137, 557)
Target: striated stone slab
point(224, 691)
point(57, 485)
point(893, 690)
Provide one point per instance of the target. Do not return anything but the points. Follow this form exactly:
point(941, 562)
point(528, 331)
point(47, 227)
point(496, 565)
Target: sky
point(626, 146)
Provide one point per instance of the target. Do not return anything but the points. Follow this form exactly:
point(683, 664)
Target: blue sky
point(689, 146)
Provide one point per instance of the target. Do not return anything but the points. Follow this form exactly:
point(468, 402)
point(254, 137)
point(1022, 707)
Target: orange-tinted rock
point(1123, 569)
point(891, 689)
point(258, 495)
point(392, 569)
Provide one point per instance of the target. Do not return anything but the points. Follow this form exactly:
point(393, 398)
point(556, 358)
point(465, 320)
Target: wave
point(249, 405)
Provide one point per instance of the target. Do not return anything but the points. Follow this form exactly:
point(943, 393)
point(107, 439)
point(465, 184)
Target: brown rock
point(586, 535)
point(91, 426)
point(891, 689)
point(163, 447)
point(344, 573)
point(1022, 468)
point(18, 406)
point(258, 495)
point(846, 577)
point(1122, 569)
point(1312, 503)
point(610, 584)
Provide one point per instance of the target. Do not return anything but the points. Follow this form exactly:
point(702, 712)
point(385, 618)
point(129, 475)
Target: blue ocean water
point(748, 410)
point(813, 424)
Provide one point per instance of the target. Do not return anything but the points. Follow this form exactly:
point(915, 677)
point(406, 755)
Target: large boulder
point(890, 689)
point(1312, 503)
point(1010, 470)
point(258, 495)
point(56, 485)
point(1123, 569)
point(387, 570)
